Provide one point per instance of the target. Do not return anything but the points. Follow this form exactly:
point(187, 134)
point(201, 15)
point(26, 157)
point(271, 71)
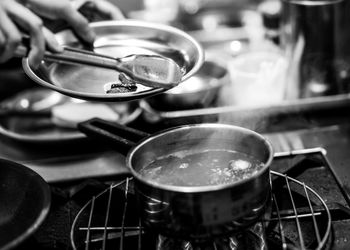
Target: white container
point(258, 78)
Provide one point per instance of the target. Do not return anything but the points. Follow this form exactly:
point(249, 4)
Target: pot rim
point(196, 189)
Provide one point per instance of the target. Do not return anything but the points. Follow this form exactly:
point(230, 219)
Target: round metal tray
point(118, 39)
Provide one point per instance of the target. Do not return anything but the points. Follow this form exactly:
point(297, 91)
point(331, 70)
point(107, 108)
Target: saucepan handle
point(121, 137)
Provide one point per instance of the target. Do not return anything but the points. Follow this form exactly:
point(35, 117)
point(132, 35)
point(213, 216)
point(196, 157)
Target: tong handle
point(71, 56)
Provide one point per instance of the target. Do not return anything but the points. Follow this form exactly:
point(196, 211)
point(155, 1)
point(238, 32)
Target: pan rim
point(44, 210)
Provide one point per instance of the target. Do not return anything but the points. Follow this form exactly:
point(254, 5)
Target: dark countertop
point(334, 139)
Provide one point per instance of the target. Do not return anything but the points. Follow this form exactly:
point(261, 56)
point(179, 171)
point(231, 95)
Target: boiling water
point(205, 168)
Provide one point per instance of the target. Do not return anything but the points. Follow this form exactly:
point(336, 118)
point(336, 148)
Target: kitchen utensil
point(118, 39)
point(25, 202)
point(192, 212)
point(149, 70)
point(199, 91)
point(28, 116)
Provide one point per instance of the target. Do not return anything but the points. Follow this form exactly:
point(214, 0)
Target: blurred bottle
point(313, 36)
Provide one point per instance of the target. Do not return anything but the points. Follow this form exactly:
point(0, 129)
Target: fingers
point(10, 37)
point(14, 15)
point(79, 23)
point(34, 26)
point(63, 9)
point(108, 9)
point(51, 41)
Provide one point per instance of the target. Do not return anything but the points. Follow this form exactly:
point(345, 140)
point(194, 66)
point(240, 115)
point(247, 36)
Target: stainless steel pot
point(195, 213)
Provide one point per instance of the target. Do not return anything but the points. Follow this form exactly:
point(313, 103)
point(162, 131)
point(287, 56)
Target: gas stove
point(309, 210)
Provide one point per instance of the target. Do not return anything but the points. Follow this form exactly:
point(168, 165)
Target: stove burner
point(299, 219)
point(252, 239)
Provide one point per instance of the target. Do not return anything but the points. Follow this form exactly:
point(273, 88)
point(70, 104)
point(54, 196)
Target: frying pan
point(195, 213)
point(24, 203)
point(118, 39)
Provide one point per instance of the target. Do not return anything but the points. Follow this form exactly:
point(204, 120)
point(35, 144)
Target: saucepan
point(192, 210)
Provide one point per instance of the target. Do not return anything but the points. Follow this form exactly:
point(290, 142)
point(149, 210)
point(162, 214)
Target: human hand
point(18, 16)
point(103, 8)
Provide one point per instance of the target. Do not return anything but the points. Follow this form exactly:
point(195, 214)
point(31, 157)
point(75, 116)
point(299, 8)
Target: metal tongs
point(150, 70)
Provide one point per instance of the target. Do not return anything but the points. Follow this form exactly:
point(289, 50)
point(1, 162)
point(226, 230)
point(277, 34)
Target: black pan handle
point(119, 136)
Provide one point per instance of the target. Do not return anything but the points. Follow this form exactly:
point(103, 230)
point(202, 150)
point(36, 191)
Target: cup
point(258, 78)
point(315, 38)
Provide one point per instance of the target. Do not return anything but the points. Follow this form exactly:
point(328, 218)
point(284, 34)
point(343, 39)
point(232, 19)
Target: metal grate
point(299, 219)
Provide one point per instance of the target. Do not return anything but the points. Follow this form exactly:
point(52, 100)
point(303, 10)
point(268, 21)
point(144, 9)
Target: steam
point(264, 118)
point(257, 88)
